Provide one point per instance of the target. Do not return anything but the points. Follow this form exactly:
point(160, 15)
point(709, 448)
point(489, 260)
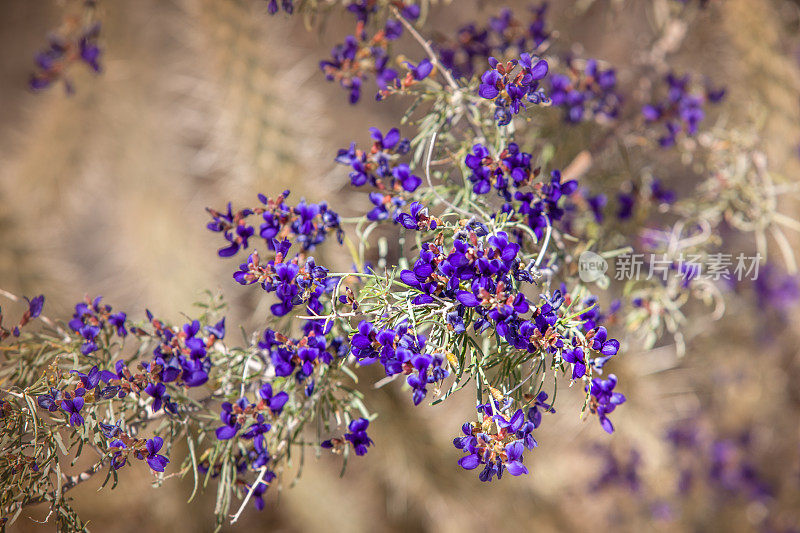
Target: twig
point(430, 182)
point(428, 50)
point(543, 249)
point(71, 483)
point(257, 482)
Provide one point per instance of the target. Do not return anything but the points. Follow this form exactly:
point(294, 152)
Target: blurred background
point(204, 101)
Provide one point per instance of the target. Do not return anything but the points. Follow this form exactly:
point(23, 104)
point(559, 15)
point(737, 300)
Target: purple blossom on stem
point(604, 400)
point(156, 461)
point(357, 436)
point(510, 91)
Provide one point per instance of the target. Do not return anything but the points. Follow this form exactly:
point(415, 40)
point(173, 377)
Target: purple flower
point(474, 45)
point(73, 408)
point(157, 462)
point(261, 488)
point(578, 360)
point(287, 5)
point(514, 459)
point(681, 111)
point(158, 392)
point(91, 380)
point(585, 94)
point(510, 93)
point(601, 343)
point(357, 436)
point(50, 401)
point(35, 306)
point(605, 400)
point(417, 219)
point(274, 402)
point(230, 419)
point(539, 406)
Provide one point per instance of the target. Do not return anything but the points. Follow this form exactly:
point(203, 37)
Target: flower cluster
point(500, 439)
point(299, 357)
point(483, 276)
point(682, 109)
point(603, 399)
point(400, 351)
point(511, 169)
point(91, 318)
point(726, 462)
point(77, 44)
point(510, 92)
point(251, 422)
point(474, 44)
point(585, 94)
point(72, 400)
point(235, 416)
point(356, 437)
point(361, 56)
point(182, 354)
point(34, 309)
point(122, 446)
point(308, 224)
point(292, 284)
point(510, 174)
point(380, 167)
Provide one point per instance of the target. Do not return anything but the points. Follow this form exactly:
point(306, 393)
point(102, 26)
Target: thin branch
point(428, 50)
point(430, 182)
point(257, 482)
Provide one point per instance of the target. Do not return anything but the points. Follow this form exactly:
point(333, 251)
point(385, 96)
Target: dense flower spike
point(585, 93)
point(400, 351)
point(682, 110)
point(511, 92)
point(181, 356)
point(300, 357)
point(380, 166)
point(308, 224)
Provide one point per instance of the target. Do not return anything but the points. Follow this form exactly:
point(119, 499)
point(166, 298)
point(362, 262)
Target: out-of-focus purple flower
point(604, 400)
point(585, 94)
point(681, 111)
